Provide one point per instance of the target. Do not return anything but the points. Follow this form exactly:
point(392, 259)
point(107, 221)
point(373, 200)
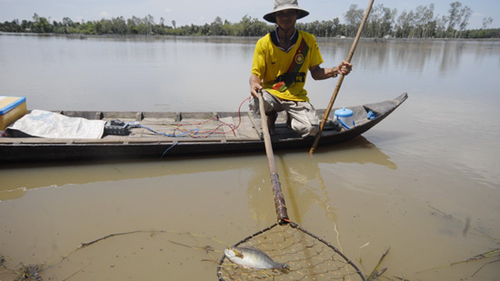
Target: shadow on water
point(26, 176)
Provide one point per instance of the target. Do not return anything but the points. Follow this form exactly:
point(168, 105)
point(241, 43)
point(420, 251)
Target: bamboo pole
point(341, 78)
point(279, 200)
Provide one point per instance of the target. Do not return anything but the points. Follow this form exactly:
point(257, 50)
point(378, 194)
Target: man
point(281, 61)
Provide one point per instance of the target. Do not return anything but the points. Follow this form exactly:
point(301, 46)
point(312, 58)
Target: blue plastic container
point(345, 117)
point(11, 109)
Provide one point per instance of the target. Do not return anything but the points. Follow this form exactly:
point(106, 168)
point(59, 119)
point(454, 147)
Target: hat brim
point(271, 17)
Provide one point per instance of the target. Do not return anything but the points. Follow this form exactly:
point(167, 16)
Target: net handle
point(279, 200)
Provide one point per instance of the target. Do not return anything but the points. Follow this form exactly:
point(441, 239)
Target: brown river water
point(424, 183)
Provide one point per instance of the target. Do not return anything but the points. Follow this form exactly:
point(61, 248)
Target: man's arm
point(319, 73)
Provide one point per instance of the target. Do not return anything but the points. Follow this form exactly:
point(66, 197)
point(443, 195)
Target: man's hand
point(343, 68)
point(255, 85)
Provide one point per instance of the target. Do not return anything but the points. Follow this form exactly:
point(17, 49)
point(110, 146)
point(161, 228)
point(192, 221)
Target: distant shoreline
point(161, 37)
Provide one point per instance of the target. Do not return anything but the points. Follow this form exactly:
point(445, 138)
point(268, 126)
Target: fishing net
point(307, 256)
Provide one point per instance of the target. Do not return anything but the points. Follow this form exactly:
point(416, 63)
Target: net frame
point(287, 243)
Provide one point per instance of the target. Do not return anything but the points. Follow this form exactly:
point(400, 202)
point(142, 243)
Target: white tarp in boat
point(46, 124)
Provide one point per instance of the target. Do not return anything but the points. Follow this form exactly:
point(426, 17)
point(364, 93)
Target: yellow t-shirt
point(270, 63)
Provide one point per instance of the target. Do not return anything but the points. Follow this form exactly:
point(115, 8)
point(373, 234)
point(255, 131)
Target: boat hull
point(245, 138)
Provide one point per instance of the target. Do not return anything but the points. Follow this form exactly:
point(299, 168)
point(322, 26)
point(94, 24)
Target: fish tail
point(284, 268)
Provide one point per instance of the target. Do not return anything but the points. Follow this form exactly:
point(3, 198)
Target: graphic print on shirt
point(286, 80)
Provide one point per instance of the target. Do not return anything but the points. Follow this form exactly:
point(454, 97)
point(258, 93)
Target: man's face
point(286, 19)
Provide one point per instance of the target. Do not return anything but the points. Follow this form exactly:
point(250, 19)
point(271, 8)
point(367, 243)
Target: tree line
point(383, 22)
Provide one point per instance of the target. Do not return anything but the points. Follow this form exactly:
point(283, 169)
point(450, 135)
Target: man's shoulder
point(264, 39)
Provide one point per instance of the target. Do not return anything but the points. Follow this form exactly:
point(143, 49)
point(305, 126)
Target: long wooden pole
point(341, 78)
point(279, 200)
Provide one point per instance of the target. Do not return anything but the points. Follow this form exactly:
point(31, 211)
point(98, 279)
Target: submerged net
point(307, 256)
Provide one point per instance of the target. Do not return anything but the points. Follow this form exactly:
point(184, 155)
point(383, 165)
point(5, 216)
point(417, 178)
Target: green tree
point(453, 18)
point(405, 24)
point(487, 22)
point(353, 18)
point(86, 28)
point(458, 19)
point(43, 26)
point(441, 27)
point(26, 25)
point(464, 17)
point(216, 27)
point(380, 22)
point(423, 23)
point(118, 26)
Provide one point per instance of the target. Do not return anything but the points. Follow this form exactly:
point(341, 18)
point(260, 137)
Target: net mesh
point(308, 257)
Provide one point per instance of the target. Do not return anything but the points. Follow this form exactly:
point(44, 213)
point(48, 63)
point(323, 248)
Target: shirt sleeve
point(259, 60)
point(316, 58)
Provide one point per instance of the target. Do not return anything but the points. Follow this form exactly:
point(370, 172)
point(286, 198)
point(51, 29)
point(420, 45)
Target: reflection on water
point(414, 56)
point(18, 178)
point(302, 179)
point(424, 182)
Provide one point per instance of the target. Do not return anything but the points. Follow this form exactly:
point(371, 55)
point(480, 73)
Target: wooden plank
point(197, 115)
point(92, 115)
point(231, 133)
point(256, 123)
point(246, 128)
point(211, 130)
point(157, 140)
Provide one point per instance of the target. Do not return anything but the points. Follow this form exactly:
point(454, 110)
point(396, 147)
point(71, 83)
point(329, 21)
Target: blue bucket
point(345, 117)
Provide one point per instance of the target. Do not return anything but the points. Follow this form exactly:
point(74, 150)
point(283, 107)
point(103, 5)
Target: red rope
point(206, 134)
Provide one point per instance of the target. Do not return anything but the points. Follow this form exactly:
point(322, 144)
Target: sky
point(199, 12)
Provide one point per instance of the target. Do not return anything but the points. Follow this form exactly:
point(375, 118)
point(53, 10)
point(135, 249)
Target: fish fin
point(239, 254)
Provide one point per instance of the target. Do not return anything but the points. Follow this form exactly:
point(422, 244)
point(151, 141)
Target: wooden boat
point(168, 134)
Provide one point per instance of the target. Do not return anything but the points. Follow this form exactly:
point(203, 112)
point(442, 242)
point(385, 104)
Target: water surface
point(424, 182)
